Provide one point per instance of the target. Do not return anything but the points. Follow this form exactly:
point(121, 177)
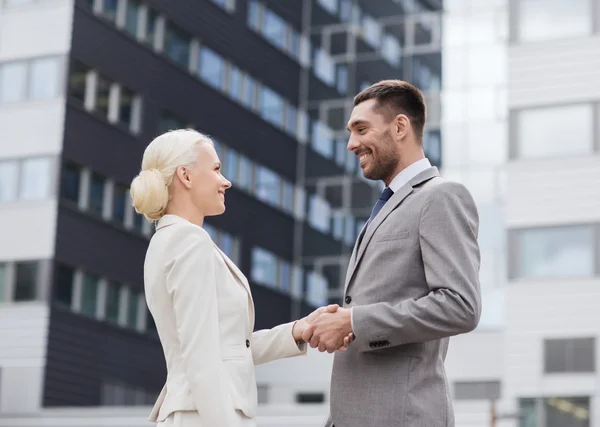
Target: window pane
point(177, 45)
point(63, 288)
point(320, 214)
point(119, 197)
point(271, 106)
point(133, 306)
point(125, 107)
point(70, 183)
point(554, 19)
point(89, 294)
point(555, 355)
point(285, 276)
point(211, 67)
point(35, 179)
point(113, 294)
point(96, 202)
point(274, 29)
point(556, 252)
point(26, 281)
point(226, 244)
point(322, 139)
point(169, 122)
point(103, 94)
point(555, 131)
point(231, 165)
point(254, 15)
point(2, 282)
point(264, 267)
point(77, 81)
point(8, 181)
point(109, 9)
point(583, 353)
point(138, 222)
point(529, 413)
point(245, 176)
point(567, 411)
point(249, 92)
point(324, 67)
point(267, 186)
point(287, 202)
point(316, 292)
point(291, 118)
point(212, 232)
point(45, 78)
point(132, 17)
point(151, 27)
point(236, 83)
point(13, 80)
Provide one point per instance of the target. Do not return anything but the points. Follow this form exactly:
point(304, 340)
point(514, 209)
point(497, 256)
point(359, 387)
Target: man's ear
point(402, 125)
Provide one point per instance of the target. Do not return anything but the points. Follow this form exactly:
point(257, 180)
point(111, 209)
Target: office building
point(86, 84)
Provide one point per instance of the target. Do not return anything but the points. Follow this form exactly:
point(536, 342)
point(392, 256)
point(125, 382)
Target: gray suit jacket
point(413, 281)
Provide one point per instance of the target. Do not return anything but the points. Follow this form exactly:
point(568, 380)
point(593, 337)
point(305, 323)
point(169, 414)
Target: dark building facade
point(272, 83)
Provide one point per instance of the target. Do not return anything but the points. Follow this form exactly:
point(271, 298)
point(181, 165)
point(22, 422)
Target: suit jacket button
point(248, 343)
point(348, 299)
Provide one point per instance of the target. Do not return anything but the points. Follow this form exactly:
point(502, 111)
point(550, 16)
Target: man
point(412, 281)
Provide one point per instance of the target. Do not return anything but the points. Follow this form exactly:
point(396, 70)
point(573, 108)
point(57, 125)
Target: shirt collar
point(409, 173)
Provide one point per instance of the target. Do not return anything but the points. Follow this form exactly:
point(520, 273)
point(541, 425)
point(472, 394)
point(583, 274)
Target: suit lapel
point(392, 203)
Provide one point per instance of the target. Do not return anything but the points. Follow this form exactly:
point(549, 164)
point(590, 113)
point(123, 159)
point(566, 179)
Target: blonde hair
point(150, 188)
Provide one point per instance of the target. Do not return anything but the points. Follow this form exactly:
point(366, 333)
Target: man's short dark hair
point(397, 97)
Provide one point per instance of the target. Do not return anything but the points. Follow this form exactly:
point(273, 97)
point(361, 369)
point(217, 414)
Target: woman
point(200, 301)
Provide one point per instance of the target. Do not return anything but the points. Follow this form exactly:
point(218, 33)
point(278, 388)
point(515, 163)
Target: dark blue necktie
point(385, 196)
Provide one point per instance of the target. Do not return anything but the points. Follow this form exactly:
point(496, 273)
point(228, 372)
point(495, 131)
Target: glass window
point(342, 79)
point(254, 9)
point(274, 29)
point(324, 67)
point(236, 80)
point(319, 214)
point(3, 284)
point(138, 222)
point(132, 17)
point(556, 252)
point(553, 19)
point(13, 82)
point(271, 106)
point(567, 411)
point(96, 201)
point(287, 202)
point(113, 295)
point(168, 122)
point(8, 181)
point(264, 267)
point(391, 50)
point(341, 147)
point(44, 78)
point(126, 107)
point(249, 92)
point(316, 292)
point(26, 281)
point(432, 147)
point(109, 9)
point(103, 94)
point(225, 4)
point(291, 118)
point(35, 179)
point(294, 43)
point(545, 132)
point(63, 288)
point(570, 355)
point(322, 139)
point(329, 5)
point(285, 276)
point(151, 26)
point(211, 67)
point(212, 231)
point(268, 186)
point(89, 294)
point(70, 182)
point(245, 175)
point(77, 81)
point(119, 198)
point(372, 31)
point(177, 45)
point(133, 307)
point(231, 165)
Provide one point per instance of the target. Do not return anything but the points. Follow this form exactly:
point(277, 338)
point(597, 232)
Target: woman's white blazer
point(204, 314)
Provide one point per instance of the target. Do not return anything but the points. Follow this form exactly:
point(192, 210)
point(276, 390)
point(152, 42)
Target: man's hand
point(300, 327)
point(330, 331)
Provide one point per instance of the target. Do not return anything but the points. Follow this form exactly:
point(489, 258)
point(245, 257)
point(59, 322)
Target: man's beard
point(387, 163)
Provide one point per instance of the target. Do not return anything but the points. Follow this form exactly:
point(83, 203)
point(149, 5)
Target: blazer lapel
point(396, 199)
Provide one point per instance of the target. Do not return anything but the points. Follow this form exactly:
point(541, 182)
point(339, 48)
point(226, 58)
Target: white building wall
point(23, 343)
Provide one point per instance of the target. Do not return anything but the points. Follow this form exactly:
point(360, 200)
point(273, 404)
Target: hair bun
point(150, 194)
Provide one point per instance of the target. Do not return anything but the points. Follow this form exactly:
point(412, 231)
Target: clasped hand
point(327, 328)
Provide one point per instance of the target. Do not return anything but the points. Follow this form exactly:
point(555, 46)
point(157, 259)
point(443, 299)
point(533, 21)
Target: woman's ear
point(183, 175)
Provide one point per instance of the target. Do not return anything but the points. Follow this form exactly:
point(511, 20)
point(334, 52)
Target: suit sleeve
point(448, 241)
point(277, 343)
point(191, 285)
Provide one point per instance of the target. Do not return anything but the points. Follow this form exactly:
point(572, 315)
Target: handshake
point(327, 328)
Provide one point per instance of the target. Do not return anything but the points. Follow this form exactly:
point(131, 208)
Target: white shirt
point(403, 177)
